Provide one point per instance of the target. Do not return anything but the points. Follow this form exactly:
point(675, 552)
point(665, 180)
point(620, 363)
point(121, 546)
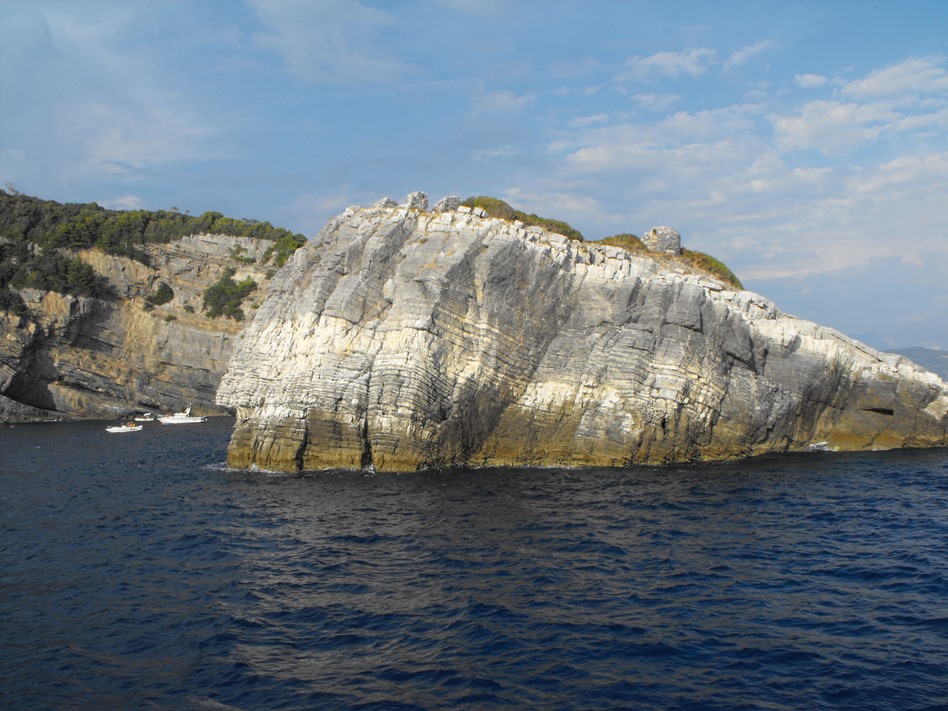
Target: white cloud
point(502, 102)
point(332, 41)
point(747, 52)
point(904, 103)
point(539, 201)
point(810, 81)
point(491, 154)
point(95, 102)
point(594, 120)
point(657, 102)
point(691, 62)
point(312, 210)
point(913, 76)
point(730, 179)
point(833, 127)
point(682, 138)
point(125, 202)
point(891, 211)
point(486, 8)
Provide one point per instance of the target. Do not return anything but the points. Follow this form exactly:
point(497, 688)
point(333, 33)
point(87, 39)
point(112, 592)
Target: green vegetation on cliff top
point(711, 265)
point(46, 223)
point(495, 207)
point(33, 232)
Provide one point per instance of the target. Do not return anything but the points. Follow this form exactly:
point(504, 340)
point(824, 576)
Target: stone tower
point(663, 239)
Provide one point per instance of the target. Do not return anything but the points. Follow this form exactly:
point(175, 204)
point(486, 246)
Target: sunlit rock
point(400, 339)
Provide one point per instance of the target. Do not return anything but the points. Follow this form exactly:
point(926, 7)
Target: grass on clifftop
point(627, 241)
point(495, 207)
point(714, 266)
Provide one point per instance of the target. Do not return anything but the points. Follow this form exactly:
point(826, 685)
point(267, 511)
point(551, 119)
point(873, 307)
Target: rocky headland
point(68, 356)
point(404, 337)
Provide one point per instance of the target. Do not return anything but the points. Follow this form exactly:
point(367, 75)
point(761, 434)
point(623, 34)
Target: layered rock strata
point(402, 339)
point(80, 357)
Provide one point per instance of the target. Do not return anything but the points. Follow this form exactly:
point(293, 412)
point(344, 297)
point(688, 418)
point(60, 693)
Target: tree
point(225, 297)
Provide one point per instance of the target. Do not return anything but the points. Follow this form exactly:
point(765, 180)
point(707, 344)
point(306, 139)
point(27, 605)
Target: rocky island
point(404, 337)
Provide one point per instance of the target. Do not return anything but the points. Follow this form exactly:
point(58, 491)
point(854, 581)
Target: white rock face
point(402, 339)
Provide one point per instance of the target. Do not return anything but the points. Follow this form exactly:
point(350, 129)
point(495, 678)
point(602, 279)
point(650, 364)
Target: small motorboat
point(127, 427)
point(145, 417)
point(181, 418)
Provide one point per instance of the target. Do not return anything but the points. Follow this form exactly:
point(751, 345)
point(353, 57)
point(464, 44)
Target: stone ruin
point(663, 239)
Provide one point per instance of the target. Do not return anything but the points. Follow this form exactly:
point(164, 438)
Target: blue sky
point(803, 143)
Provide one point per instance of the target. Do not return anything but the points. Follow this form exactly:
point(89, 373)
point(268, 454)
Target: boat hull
point(182, 418)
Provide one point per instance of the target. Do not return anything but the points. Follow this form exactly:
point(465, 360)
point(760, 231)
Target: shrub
point(282, 248)
point(49, 270)
point(12, 302)
point(161, 295)
point(626, 241)
point(712, 266)
point(225, 297)
point(495, 207)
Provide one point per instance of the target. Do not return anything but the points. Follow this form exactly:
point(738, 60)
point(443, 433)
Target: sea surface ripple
point(139, 572)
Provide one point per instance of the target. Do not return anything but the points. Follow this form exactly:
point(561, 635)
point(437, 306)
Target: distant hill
point(934, 360)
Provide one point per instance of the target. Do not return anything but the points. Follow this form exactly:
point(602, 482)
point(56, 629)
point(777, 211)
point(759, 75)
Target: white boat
point(181, 418)
point(145, 417)
point(130, 427)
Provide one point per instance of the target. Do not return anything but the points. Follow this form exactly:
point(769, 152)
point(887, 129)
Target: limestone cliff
point(73, 356)
point(403, 338)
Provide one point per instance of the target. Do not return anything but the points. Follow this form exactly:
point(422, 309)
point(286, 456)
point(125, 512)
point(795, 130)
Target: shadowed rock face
point(402, 339)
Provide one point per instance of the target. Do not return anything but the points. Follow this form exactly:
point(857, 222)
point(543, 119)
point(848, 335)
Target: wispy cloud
point(485, 8)
point(743, 55)
point(125, 202)
point(332, 41)
point(909, 99)
point(732, 178)
point(914, 76)
point(497, 153)
point(833, 127)
point(502, 102)
point(538, 201)
point(101, 104)
point(810, 81)
point(692, 62)
point(657, 102)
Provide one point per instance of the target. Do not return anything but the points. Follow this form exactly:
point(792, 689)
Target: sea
point(138, 572)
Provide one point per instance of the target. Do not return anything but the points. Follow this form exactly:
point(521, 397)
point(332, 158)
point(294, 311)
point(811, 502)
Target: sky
point(805, 144)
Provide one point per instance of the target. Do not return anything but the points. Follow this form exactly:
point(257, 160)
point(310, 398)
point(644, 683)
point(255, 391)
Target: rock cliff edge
point(402, 338)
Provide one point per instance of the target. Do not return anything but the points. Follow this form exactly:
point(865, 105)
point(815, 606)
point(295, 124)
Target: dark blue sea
point(137, 571)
